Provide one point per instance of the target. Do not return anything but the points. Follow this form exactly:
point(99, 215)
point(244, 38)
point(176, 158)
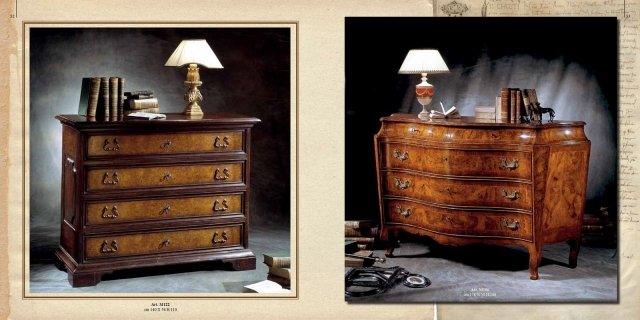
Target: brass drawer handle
point(223, 240)
point(114, 213)
point(167, 176)
point(110, 179)
point(513, 196)
point(402, 184)
point(217, 207)
point(414, 130)
point(223, 144)
point(166, 144)
point(109, 248)
point(505, 164)
point(401, 155)
point(223, 176)
point(107, 146)
point(165, 243)
point(166, 209)
point(512, 224)
point(403, 212)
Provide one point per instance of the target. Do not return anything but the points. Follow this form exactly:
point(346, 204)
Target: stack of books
point(488, 113)
point(364, 232)
point(141, 101)
point(361, 237)
point(101, 98)
point(510, 105)
point(279, 269)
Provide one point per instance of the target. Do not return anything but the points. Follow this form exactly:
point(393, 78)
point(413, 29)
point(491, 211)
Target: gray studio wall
point(567, 87)
point(255, 81)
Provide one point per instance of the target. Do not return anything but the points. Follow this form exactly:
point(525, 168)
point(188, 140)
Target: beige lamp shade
point(194, 51)
point(423, 61)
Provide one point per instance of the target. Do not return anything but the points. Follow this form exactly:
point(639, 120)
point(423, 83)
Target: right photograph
point(481, 159)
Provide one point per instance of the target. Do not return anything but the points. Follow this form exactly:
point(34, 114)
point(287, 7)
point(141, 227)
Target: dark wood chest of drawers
point(140, 193)
point(464, 181)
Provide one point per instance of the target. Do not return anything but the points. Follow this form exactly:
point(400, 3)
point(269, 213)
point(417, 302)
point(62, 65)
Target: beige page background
point(321, 179)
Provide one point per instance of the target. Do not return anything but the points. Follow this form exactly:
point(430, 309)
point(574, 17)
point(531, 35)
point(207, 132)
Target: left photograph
point(160, 159)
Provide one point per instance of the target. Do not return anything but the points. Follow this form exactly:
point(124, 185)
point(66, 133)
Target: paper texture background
point(320, 162)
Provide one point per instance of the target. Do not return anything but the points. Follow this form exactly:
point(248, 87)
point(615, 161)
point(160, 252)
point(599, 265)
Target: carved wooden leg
point(392, 243)
point(84, 279)
point(574, 245)
point(535, 256)
point(241, 264)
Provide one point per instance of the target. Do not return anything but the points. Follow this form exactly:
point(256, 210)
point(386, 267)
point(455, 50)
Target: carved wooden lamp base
point(193, 96)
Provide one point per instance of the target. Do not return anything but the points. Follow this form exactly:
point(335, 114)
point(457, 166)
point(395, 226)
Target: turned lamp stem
point(193, 95)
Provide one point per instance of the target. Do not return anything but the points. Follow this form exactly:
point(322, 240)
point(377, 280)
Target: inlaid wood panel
point(169, 208)
point(457, 192)
point(158, 242)
point(477, 163)
point(148, 177)
point(167, 143)
point(459, 222)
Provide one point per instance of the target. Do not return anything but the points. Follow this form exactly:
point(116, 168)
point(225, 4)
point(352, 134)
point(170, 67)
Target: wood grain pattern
point(440, 178)
point(459, 222)
point(158, 242)
point(167, 143)
point(168, 208)
point(153, 177)
point(154, 194)
point(458, 192)
point(456, 162)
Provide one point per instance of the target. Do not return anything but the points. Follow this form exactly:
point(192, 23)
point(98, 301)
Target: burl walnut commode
point(463, 181)
point(140, 193)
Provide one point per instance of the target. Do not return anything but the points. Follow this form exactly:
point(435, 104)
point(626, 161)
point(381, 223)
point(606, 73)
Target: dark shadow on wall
point(255, 81)
point(571, 62)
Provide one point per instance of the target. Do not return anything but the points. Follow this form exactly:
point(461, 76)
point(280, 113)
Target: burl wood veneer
point(140, 193)
point(463, 181)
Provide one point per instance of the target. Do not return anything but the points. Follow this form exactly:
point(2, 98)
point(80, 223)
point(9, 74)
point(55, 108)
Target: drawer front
point(489, 135)
point(479, 163)
point(459, 192)
point(170, 143)
point(148, 177)
point(159, 242)
point(156, 209)
point(459, 222)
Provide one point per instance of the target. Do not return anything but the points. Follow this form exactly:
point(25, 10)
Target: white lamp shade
point(423, 61)
point(194, 51)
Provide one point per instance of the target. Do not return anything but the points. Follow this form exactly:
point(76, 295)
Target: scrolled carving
point(111, 146)
point(110, 214)
point(109, 248)
point(221, 143)
point(222, 240)
point(221, 174)
point(220, 206)
point(110, 179)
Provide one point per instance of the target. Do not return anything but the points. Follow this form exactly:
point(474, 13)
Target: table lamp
point(193, 53)
point(423, 61)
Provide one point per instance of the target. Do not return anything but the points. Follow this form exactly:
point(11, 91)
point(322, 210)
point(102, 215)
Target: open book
point(452, 113)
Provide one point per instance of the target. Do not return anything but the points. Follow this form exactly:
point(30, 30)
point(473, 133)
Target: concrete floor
point(190, 278)
point(480, 273)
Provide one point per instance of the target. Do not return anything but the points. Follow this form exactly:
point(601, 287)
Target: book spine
point(139, 92)
point(512, 104)
point(148, 110)
point(104, 98)
point(140, 96)
point(361, 232)
point(280, 272)
point(278, 262)
point(504, 104)
point(113, 98)
point(120, 96)
point(498, 108)
point(356, 224)
point(518, 106)
point(143, 104)
point(94, 94)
